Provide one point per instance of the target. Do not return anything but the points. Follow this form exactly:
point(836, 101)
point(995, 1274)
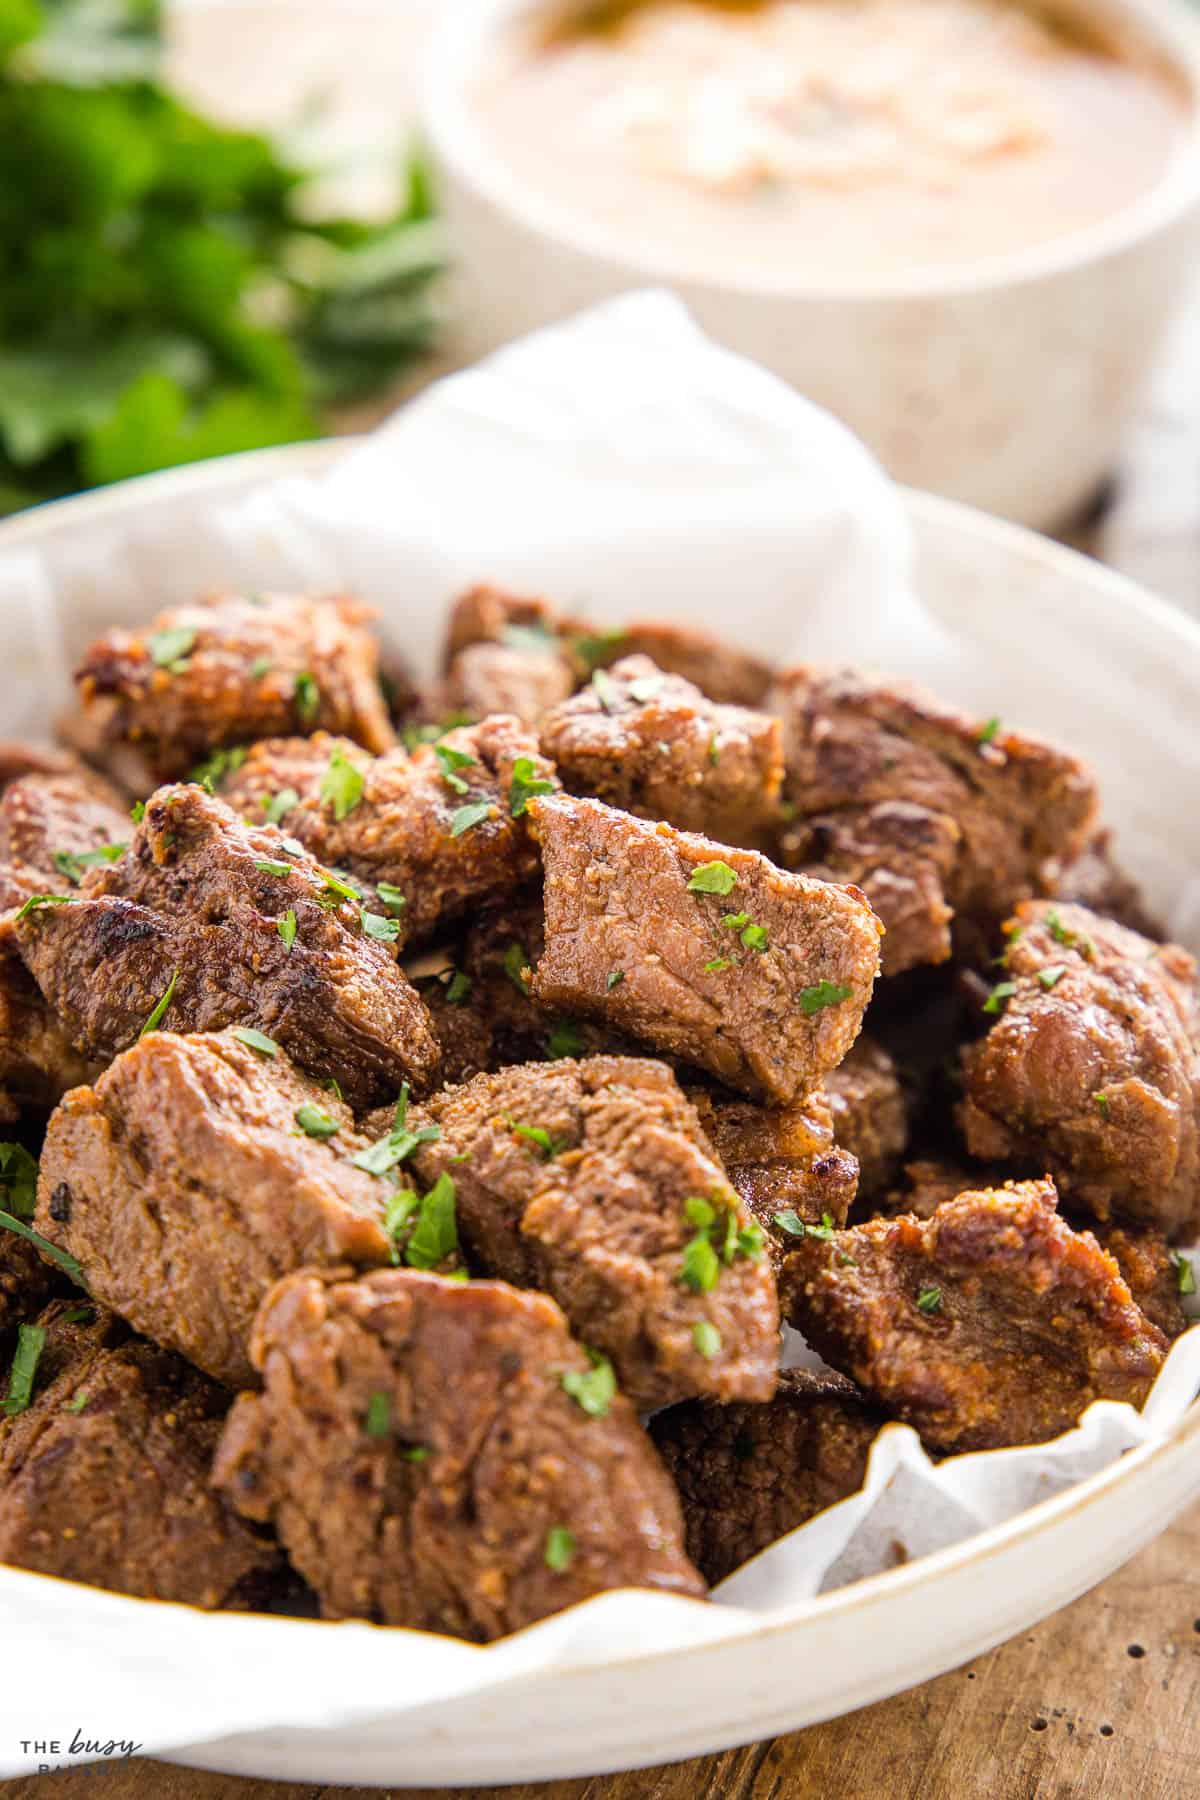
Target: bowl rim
point(464, 30)
point(242, 471)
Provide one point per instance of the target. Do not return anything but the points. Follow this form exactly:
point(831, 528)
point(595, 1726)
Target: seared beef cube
point(192, 1176)
point(719, 669)
point(524, 680)
point(37, 1060)
point(53, 827)
point(1097, 880)
point(1091, 1070)
point(491, 615)
point(593, 1180)
point(748, 1475)
point(869, 1115)
point(654, 745)
point(991, 1323)
point(437, 831)
point(232, 668)
point(782, 1161)
point(418, 1448)
point(199, 913)
point(104, 1478)
point(708, 953)
point(1151, 1270)
point(932, 814)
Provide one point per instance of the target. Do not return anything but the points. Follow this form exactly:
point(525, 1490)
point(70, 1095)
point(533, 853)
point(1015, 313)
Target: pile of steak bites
point(426, 1108)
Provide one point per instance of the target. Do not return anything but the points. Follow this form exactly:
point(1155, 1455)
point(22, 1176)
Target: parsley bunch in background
point(164, 295)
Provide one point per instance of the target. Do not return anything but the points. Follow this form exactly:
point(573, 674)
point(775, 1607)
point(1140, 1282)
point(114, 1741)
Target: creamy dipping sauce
point(767, 140)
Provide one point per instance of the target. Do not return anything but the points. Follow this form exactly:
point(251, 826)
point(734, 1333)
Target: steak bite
point(436, 832)
point(748, 1475)
point(523, 680)
point(230, 925)
point(593, 1180)
point(1154, 1273)
point(782, 1161)
point(933, 815)
point(38, 1062)
point(493, 615)
point(991, 1323)
point(104, 1476)
point(193, 1175)
point(869, 1115)
point(473, 1505)
point(1091, 1069)
point(233, 668)
point(710, 954)
point(53, 827)
point(1096, 880)
point(654, 745)
point(720, 670)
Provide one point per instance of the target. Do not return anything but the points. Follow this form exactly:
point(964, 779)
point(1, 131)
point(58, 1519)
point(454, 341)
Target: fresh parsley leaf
point(735, 921)
point(645, 687)
point(31, 1341)
point(314, 1123)
point(714, 750)
point(538, 1136)
point(823, 993)
point(1102, 1101)
point(275, 806)
point(560, 1549)
point(516, 961)
point(591, 650)
point(259, 667)
point(607, 692)
point(755, 938)
point(267, 867)
point(1003, 990)
point(435, 1236)
point(791, 1222)
point(77, 1402)
point(18, 1180)
point(701, 1266)
point(64, 1259)
point(286, 927)
point(256, 1040)
point(307, 697)
point(717, 964)
point(394, 901)
point(342, 784)
point(137, 811)
point(169, 648)
point(414, 1453)
point(712, 878)
point(458, 990)
point(706, 1338)
point(378, 1420)
point(339, 887)
point(213, 770)
point(929, 1300)
point(38, 900)
point(987, 732)
point(156, 1017)
point(450, 761)
point(467, 816)
point(615, 978)
point(1185, 1278)
point(72, 863)
point(1051, 976)
point(526, 785)
point(376, 926)
point(564, 1040)
point(593, 1391)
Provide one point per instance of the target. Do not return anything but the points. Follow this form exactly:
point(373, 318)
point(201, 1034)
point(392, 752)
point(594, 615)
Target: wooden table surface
point(1103, 1699)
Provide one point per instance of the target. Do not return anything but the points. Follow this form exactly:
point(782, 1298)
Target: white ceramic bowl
point(1006, 591)
point(1005, 383)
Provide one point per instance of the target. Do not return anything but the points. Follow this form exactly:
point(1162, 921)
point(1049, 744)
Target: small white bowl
point(1004, 383)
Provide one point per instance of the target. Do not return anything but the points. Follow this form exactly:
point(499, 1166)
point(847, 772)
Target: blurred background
point(218, 231)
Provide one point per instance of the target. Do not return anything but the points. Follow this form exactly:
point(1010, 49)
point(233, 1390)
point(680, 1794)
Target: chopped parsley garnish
point(929, 1300)
point(393, 900)
point(37, 900)
point(286, 927)
point(340, 887)
point(169, 648)
point(342, 784)
point(615, 978)
point(645, 687)
point(1051, 977)
point(266, 866)
point(376, 926)
point(564, 1040)
point(156, 1017)
point(378, 1421)
point(706, 1338)
point(314, 1123)
point(718, 963)
point(719, 1238)
point(701, 1268)
point(593, 1391)
point(1184, 1274)
point(458, 991)
point(516, 961)
point(714, 750)
point(821, 994)
point(307, 696)
point(259, 667)
point(79, 1315)
point(529, 637)
point(755, 938)
point(559, 1553)
point(987, 732)
point(378, 1158)
point(413, 736)
point(414, 1453)
point(435, 1236)
point(526, 785)
point(712, 878)
point(606, 690)
point(137, 811)
point(1003, 990)
point(467, 816)
point(735, 921)
point(31, 1341)
point(63, 1258)
point(77, 1402)
point(276, 805)
point(791, 1222)
point(18, 1180)
point(1101, 1099)
point(538, 1136)
point(255, 1040)
point(216, 767)
point(451, 760)
point(592, 650)
point(72, 863)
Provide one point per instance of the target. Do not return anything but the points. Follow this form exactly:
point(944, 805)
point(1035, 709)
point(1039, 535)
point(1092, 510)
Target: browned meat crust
point(631, 940)
point(185, 1186)
point(473, 1505)
point(656, 746)
point(579, 1178)
point(748, 1475)
point(1091, 1069)
point(1149, 1269)
point(47, 824)
point(37, 1060)
point(524, 681)
point(232, 668)
point(991, 1323)
point(403, 823)
point(195, 909)
point(932, 814)
point(870, 1119)
point(104, 1479)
